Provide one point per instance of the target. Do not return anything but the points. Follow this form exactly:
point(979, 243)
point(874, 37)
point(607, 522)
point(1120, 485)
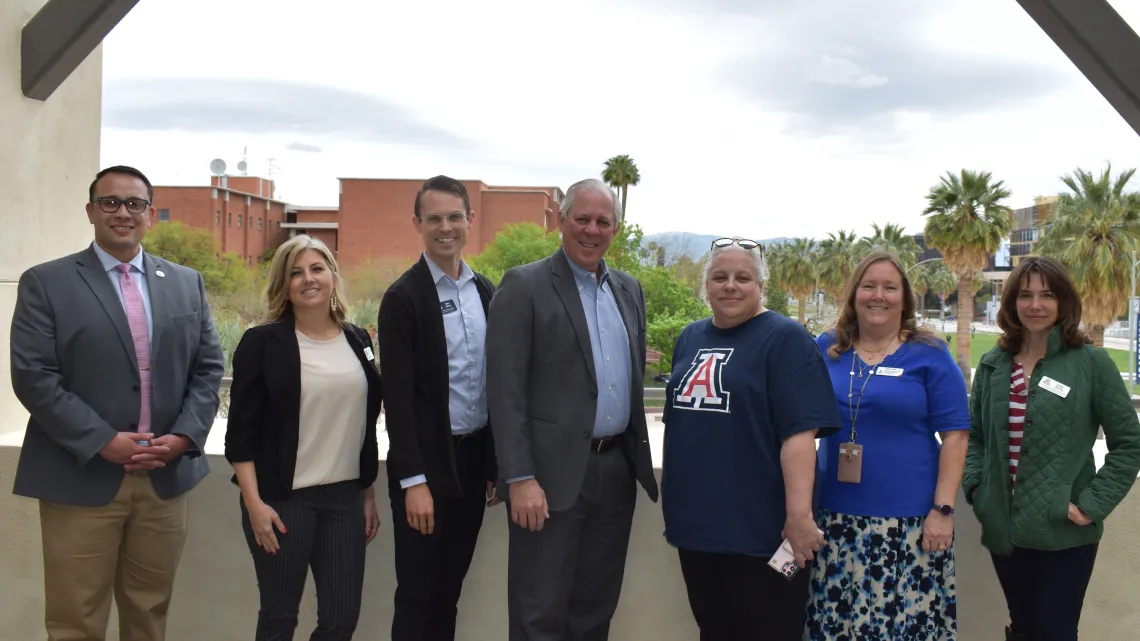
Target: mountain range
point(683, 243)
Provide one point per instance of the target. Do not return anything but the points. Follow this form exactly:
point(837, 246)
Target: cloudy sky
point(761, 118)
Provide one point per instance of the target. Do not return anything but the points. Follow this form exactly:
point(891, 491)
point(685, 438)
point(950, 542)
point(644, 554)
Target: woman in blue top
point(888, 487)
point(748, 393)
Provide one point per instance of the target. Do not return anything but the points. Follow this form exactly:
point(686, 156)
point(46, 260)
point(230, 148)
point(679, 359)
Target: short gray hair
point(594, 185)
point(757, 254)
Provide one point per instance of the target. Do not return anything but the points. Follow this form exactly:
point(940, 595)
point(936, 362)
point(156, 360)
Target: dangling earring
point(332, 302)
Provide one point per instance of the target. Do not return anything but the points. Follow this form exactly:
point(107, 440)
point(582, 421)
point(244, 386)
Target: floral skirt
point(872, 580)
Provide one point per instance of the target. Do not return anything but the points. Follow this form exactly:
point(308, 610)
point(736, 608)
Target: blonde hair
point(280, 273)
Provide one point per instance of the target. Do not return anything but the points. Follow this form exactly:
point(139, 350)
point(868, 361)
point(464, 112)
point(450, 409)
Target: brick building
point(372, 221)
point(241, 211)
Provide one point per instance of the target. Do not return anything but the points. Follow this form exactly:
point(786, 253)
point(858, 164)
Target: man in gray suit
point(565, 367)
point(115, 356)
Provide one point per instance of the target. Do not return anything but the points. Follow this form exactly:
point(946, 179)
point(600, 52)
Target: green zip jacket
point(1056, 466)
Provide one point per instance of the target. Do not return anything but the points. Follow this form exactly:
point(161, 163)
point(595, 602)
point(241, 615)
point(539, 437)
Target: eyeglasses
point(743, 242)
point(454, 218)
point(111, 204)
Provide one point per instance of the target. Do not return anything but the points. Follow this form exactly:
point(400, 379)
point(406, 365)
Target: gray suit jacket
point(541, 386)
point(74, 369)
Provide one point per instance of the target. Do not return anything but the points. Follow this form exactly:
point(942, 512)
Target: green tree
point(775, 298)
point(838, 256)
point(794, 267)
point(626, 253)
point(514, 245)
point(620, 172)
point(1093, 230)
point(967, 222)
point(198, 250)
point(890, 238)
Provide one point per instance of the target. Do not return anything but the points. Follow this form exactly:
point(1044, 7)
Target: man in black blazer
point(441, 459)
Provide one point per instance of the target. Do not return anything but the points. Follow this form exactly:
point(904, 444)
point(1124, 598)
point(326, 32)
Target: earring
point(332, 301)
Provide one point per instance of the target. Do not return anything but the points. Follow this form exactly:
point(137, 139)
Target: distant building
point(372, 221)
point(1028, 224)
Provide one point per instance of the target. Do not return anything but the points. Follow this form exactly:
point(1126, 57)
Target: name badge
point(889, 371)
point(447, 306)
point(368, 354)
point(1060, 389)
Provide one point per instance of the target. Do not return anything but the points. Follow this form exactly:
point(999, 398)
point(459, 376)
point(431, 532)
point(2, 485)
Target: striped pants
point(325, 532)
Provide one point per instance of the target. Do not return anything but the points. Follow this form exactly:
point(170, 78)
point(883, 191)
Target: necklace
point(852, 404)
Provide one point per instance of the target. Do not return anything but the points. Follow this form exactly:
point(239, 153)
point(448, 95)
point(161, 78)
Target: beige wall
point(216, 596)
point(50, 153)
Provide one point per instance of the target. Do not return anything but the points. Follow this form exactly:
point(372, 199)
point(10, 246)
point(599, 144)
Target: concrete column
point(49, 156)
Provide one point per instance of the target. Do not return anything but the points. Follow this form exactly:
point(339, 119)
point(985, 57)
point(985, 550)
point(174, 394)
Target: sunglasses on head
point(743, 242)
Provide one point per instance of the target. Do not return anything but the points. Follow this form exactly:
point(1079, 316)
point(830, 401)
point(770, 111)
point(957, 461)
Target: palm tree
point(920, 282)
point(1093, 230)
point(944, 284)
point(838, 256)
point(967, 223)
point(890, 238)
point(621, 172)
point(794, 267)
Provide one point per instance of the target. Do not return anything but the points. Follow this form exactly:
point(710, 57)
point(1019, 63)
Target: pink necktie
point(136, 318)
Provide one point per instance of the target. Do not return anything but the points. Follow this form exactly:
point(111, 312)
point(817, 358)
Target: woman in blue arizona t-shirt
point(888, 487)
point(748, 393)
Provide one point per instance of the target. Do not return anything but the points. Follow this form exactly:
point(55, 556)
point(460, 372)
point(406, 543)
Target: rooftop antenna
point(272, 167)
point(242, 164)
point(218, 167)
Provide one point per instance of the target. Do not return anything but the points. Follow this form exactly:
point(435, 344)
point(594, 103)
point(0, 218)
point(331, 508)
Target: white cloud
point(545, 92)
point(842, 72)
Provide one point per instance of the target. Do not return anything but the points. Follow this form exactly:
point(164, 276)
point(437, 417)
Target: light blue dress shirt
point(138, 272)
point(610, 345)
point(465, 329)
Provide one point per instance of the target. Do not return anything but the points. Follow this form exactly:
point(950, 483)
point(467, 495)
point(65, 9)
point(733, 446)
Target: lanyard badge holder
point(851, 453)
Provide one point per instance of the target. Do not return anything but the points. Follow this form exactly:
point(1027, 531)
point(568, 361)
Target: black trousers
point(324, 532)
point(430, 569)
point(736, 597)
point(1045, 591)
point(564, 581)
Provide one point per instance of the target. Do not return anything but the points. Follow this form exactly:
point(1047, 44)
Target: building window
point(258, 224)
point(163, 215)
point(229, 219)
point(239, 221)
point(217, 218)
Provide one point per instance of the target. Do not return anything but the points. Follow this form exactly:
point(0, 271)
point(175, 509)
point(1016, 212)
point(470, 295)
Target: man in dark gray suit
point(115, 356)
point(565, 367)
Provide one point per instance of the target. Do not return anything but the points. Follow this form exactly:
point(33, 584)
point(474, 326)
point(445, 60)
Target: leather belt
point(459, 438)
point(603, 445)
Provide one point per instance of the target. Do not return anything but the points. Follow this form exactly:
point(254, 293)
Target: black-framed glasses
point(743, 242)
point(454, 218)
point(111, 204)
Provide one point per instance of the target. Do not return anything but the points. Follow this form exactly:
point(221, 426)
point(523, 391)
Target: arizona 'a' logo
point(701, 387)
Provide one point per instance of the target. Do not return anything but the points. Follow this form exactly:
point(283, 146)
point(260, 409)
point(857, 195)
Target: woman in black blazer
point(301, 437)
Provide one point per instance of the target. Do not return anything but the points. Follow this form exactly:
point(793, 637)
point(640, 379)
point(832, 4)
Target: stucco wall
point(50, 153)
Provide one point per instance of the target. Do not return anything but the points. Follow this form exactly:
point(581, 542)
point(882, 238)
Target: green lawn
point(981, 343)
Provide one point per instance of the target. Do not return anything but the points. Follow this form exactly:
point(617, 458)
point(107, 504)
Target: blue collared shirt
point(465, 329)
point(138, 272)
point(610, 345)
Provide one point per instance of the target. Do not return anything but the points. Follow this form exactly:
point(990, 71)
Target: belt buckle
point(600, 444)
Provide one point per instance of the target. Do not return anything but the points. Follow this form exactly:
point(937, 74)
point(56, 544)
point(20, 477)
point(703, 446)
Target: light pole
point(1133, 319)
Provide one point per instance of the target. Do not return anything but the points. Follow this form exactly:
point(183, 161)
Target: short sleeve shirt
point(733, 397)
point(915, 393)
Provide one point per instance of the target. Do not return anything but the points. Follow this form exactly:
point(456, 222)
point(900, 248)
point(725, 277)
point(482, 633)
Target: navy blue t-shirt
point(898, 417)
point(734, 395)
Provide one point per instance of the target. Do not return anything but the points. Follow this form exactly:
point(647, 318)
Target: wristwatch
point(945, 510)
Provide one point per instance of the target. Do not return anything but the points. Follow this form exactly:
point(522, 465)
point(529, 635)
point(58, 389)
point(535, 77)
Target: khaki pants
point(132, 545)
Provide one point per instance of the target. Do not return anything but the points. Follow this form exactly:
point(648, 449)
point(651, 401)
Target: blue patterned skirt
point(872, 580)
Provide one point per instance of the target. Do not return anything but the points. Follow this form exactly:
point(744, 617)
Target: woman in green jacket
point(1038, 400)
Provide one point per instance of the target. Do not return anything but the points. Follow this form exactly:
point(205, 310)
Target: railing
point(651, 394)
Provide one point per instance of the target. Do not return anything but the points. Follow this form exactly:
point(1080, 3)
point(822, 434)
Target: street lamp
point(1133, 317)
